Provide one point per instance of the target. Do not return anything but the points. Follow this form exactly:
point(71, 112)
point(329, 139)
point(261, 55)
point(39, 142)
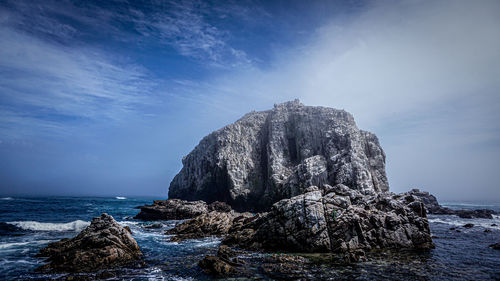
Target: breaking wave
point(458, 222)
point(120, 197)
point(75, 226)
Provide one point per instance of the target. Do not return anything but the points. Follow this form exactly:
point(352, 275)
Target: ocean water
point(29, 224)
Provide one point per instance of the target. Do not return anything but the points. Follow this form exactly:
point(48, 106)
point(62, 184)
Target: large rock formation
point(270, 155)
point(336, 219)
point(102, 245)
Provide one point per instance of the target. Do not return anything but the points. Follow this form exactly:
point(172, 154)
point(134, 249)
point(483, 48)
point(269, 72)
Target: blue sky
point(105, 97)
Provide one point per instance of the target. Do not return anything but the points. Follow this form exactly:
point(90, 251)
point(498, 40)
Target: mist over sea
point(29, 224)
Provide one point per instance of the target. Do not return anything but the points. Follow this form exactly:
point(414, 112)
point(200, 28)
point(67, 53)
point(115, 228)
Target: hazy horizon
point(105, 98)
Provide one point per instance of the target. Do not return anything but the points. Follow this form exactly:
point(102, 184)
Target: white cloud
point(184, 26)
point(41, 79)
point(423, 75)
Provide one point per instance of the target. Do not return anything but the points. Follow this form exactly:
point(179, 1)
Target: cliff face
point(270, 155)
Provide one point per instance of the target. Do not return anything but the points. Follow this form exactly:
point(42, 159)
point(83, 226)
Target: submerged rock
point(433, 207)
point(224, 264)
point(270, 155)
point(336, 219)
point(172, 209)
point(102, 245)
point(216, 266)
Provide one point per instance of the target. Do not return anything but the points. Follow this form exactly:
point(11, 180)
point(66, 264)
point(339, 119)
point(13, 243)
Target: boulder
point(216, 267)
point(172, 209)
point(225, 252)
point(336, 219)
point(275, 154)
point(104, 244)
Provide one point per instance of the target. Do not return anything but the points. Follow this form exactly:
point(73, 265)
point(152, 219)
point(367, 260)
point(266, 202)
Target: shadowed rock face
point(271, 155)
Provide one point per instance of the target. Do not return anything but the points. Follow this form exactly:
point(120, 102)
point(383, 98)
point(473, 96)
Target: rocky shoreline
point(294, 179)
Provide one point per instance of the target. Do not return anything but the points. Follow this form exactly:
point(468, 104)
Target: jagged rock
point(225, 252)
point(336, 219)
point(270, 155)
point(286, 267)
point(219, 207)
point(479, 213)
point(433, 207)
point(495, 246)
point(212, 223)
point(429, 200)
point(172, 209)
point(102, 245)
point(216, 267)
point(154, 226)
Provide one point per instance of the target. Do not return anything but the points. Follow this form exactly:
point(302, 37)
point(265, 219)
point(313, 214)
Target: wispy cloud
point(185, 25)
point(190, 27)
point(55, 84)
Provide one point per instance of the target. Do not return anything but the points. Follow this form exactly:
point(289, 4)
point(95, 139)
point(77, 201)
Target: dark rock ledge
point(102, 245)
point(176, 209)
point(433, 207)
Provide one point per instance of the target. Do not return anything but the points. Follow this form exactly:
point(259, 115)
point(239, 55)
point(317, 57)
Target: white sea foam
point(456, 221)
point(129, 222)
point(7, 198)
point(76, 226)
point(10, 245)
point(17, 244)
point(120, 197)
point(208, 243)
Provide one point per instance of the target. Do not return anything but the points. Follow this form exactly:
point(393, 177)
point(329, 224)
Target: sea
point(28, 224)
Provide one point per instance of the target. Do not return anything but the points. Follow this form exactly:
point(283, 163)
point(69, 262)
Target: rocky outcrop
point(286, 267)
point(433, 207)
point(175, 209)
point(495, 246)
point(172, 209)
point(102, 245)
point(216, 267)
point(336, 219)
point(214, 223)
point(224, 264)
point(271, 155)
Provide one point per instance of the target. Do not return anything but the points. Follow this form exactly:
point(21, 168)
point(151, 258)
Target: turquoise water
point(29, 224)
